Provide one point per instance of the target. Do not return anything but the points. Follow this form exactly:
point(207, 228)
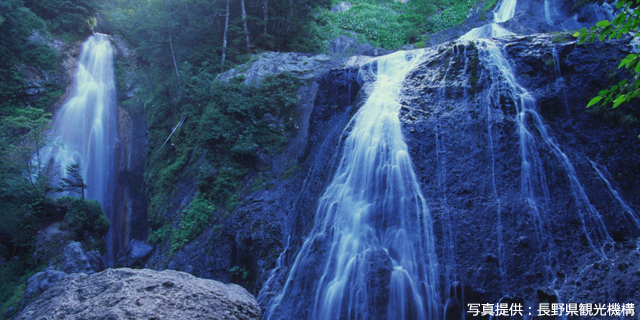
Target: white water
point(631, 214)
point(504, 11)
point(548, 14)
point(373, 206)
point(84, 128)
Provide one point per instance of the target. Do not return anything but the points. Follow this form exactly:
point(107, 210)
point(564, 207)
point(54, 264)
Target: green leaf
point(603, 23)
point(603, 92)
point(594, 101)
point(619, 100)
point(620, 3)
point(623, 82)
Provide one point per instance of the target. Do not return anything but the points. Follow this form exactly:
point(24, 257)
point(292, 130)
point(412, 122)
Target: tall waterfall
point(372, 242)
point(85, 132)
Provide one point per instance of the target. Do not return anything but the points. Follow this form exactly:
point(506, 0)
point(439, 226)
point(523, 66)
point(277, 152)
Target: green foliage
point(75, 16)
point(13, 276)
point(159, 235)
point(195, 218)
point(558, 37)
point(86, 216)
point(75, 182)
point(238, 274)
point(452, 14)
point(379, 23)
point(226, 126)
point(625, 23)
point(488, 5)
point(391, 24)
point(21, 136)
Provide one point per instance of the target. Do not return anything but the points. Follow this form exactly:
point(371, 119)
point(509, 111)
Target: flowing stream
point(372, 236)
point(85, 132)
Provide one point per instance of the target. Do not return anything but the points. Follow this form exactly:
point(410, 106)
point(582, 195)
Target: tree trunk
point(244, 24)
point(266, 15)
point(172, 54)
point(224, 39)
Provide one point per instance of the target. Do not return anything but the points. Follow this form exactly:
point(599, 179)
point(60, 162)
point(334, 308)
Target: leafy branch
point(625, 23)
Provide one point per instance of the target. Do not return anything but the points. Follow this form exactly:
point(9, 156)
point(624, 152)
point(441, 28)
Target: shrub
point(86, 216)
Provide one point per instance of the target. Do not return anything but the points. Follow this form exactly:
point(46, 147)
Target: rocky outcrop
point(534, 16)
point(246, 245)
point(461, 126)
point(75, 259)
point(130, 197)
point(135, 254)
point(141, 294)
point(306, 66)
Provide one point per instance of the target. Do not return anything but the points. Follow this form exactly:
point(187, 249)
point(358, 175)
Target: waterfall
point(504, 11)
point(372, 243)
point(85, 132)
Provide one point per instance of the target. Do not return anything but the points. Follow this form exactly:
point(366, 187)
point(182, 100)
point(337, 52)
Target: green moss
point(195, 218)
point(558, 37)
point(87, 221)
point(226, 126)
point(159, 235)
point(488, 5)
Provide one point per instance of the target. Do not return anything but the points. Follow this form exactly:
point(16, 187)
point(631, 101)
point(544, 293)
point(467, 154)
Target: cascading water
point(503, 12)
point(534, 135)
point(84, 129)
point(372, 242)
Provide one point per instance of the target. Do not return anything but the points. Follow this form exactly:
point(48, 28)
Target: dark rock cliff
point(493, 244)
point(459, 121)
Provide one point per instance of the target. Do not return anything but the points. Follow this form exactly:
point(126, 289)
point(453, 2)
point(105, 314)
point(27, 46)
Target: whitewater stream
point(85, 132)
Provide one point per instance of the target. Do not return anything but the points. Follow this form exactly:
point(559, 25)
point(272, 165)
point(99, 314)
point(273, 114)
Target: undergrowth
point(225, 127)
point(391, 24)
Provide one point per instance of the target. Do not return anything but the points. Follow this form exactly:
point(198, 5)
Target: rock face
point(304, 65)
point(130, 196)
point(141, 294)
point(461, 127)
point(75, 259)
point(253, 236)
point(135, 254)
point(533, 16)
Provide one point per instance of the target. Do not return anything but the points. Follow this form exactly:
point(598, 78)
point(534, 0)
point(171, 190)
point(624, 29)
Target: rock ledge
point(141, 294)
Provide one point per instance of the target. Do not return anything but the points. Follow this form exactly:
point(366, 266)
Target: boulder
point(135, 254)
point(42, 281)
point(141, 294)
point(75, 259)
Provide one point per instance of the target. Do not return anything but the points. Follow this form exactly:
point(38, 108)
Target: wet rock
point(378, 279)
point(135, 254)
point(141, 294)
point(42, 281)
point(75, 259)
point(469, 165)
